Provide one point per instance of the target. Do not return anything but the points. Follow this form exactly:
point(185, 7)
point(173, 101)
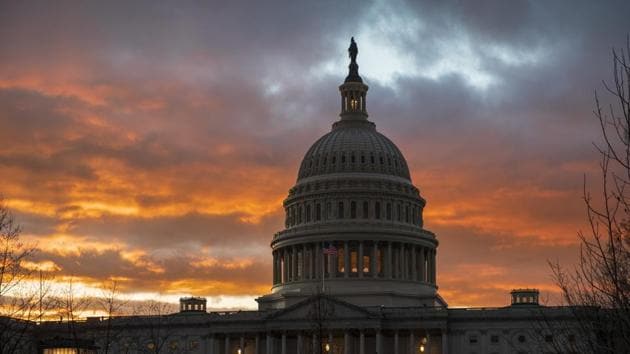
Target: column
point(294, 265)
point(412, 343)
point(304, 263)
point(346, 259)
point(275, 268)
point(444, 342)
point(396, 344)
point(414, 264)
point(361, 342)
point(373, 266)
point(360, 260)
point(300, 344)
point(318, 265)
point(433, 267)
point(388, 268)
point(284, 343)
point(346, 342)
point(227, 344)
point(311, 262)
point(257, 344)
point(242, 344)
point(269, 344)
point(422, 267)
point(379, 342)
point(211, 344)
point(285, 263)
point(401, 262)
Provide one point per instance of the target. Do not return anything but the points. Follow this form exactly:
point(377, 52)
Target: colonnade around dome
point(354, 259)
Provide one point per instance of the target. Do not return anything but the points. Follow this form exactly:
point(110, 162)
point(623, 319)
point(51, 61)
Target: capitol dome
point(353, 146)
point(353, 220)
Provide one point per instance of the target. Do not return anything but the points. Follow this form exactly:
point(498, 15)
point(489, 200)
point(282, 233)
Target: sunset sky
point(153, 142)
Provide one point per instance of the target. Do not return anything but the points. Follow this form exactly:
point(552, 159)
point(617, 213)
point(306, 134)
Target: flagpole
point(323, 267)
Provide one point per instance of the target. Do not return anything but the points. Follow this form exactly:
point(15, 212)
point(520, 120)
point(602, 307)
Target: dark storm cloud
point(160, 122)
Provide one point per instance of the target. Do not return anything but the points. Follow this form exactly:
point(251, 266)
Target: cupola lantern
point(353, 90)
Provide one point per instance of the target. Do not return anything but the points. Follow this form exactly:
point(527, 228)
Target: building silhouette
point(354, 271)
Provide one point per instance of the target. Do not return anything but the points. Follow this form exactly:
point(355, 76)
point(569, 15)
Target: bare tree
point(154, 326)
point(598, 289)
point(321, 312)
point(111, 304)
point(71, 307)
point(18, 305)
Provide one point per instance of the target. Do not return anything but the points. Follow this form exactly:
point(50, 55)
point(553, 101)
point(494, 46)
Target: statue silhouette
point(353, 50)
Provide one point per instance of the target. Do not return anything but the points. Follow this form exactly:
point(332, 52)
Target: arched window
point(388, 211)
point(366, 210)
point(398, 212)
point(353, 210)
point(308, 213)
point(343, 158)
point(377, 210)
point(407, 213)
point(318, 212)
point(352, 158)
point(340, 211)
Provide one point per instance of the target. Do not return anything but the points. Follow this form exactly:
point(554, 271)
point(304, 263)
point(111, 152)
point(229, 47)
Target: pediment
point(322, 307)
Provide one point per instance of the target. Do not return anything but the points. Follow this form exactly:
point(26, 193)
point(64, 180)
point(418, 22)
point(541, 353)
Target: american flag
point(330, 249)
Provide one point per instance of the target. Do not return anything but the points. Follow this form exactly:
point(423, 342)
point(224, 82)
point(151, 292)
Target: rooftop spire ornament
point(353, 74)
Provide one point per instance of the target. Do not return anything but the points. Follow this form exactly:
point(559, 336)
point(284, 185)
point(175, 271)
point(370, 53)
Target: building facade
point(354, 272)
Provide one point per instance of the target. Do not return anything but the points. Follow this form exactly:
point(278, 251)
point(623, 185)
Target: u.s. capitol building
point(354, 271)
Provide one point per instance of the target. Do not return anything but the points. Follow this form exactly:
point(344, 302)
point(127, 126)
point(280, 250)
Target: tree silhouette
point(598, 288)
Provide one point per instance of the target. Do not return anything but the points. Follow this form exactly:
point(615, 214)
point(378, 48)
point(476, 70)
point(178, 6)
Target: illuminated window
point(353, 262)
point(366, 264)
point(173, 345)
point(340, 260)
point(194, 344)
